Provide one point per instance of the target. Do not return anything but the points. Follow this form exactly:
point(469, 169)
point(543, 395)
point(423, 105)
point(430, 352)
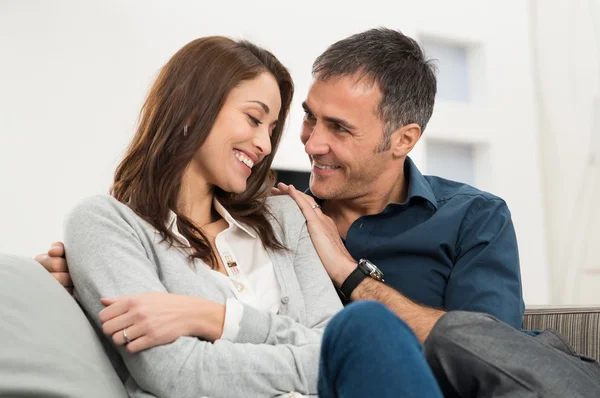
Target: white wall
point(73, 76)
point(567, 47)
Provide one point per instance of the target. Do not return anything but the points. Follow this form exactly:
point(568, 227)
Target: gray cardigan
point(111, 251)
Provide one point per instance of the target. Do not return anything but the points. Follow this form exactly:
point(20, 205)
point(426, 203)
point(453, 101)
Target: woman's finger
point(133, 332)
point(114, 325)
point(303, 204)
point(119, 307)
point(139, 344)
point(108, 301)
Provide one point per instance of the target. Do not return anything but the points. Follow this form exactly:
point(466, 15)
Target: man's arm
point(485, 276)
point(420, 318)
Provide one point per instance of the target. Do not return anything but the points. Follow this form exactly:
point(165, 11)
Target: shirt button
point(285, 299)
point(240, 288)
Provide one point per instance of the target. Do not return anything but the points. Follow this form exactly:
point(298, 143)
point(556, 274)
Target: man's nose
point(315, 141)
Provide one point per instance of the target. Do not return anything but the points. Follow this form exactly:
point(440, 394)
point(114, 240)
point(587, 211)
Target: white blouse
point(251, 276)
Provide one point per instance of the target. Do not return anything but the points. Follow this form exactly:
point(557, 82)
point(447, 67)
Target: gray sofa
point(49, 349)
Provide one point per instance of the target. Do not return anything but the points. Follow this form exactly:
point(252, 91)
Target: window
point(451, 160)
point(452, 63)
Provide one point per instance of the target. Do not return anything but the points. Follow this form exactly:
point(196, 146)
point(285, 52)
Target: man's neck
point(345, 211)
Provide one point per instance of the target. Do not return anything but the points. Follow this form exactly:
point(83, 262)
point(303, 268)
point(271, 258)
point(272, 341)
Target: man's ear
point(405, 138)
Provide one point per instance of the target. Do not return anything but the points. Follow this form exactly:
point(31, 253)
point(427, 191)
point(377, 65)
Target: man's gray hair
point(397, 65)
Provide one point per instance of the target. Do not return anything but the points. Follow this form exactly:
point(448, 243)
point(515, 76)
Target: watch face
point(374, 272)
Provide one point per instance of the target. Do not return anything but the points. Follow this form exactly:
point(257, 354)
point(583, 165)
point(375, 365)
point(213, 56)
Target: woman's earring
point(185, 130)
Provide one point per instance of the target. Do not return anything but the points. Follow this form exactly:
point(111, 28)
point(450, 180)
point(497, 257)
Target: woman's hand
point(324, 235)
point(153, 319)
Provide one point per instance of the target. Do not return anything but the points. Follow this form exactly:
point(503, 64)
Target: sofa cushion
point(47, 346)
point(579, 325)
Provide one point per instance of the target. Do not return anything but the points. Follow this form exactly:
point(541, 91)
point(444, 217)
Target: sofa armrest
point(580, 325)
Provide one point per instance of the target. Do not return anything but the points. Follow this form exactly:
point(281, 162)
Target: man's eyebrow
point(263, 105)
point(306, 108)
point(330, 119)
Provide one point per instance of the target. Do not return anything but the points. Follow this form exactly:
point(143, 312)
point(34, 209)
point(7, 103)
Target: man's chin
point(320, 190)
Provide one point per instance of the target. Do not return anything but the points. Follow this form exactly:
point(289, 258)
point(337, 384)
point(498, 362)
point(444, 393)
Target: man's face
point(341, 133)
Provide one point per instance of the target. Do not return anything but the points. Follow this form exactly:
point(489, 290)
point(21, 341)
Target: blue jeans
point(369, 352)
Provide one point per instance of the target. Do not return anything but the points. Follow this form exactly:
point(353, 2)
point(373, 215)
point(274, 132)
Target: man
point(426, 246)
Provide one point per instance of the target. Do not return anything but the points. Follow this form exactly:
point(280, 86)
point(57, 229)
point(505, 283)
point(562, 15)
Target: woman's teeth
point(243, 158)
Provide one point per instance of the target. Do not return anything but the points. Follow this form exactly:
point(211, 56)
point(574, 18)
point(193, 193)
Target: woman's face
point(240, 137)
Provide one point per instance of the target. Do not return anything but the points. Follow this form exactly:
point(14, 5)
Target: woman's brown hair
point(189, 93)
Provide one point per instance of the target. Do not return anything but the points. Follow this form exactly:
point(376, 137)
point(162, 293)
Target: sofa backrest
point(47, 345)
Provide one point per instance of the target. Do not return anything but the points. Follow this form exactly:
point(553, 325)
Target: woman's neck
point(196, 203)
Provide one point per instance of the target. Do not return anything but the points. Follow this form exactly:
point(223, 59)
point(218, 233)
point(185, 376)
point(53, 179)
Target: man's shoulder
point(446, 191)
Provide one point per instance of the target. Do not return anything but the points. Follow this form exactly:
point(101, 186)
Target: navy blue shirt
point(449, 246)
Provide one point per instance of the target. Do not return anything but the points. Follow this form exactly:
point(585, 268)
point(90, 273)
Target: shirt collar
point(172, 219)
point(417, 184)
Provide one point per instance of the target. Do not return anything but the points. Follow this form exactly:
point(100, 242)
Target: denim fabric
point(369, 352)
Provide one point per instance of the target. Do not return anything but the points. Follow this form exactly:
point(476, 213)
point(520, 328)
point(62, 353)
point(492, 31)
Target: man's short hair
point(394, 62)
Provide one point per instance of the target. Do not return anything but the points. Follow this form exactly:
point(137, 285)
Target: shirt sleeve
point(486, 276)
point(320, 299)
point(233, 316)
point(107, 258)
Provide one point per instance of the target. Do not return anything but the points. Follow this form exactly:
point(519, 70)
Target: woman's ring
point(125, 336)
point(316, 206)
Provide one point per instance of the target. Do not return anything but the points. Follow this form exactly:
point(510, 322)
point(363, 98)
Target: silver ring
point(125, 336)
point(315, 207)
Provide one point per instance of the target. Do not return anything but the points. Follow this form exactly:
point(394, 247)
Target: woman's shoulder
point(283, 208)
point(103, 206)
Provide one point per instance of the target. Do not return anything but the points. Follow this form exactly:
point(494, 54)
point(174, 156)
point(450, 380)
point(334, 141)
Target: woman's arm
point(107, 259)
point(320, 300)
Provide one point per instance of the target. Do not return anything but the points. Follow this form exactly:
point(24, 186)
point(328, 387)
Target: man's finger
point(57, 249)
point(57, 264)
point(52, 264)
point(63, 278)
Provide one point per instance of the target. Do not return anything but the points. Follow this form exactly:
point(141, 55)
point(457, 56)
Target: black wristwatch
point(364, 269)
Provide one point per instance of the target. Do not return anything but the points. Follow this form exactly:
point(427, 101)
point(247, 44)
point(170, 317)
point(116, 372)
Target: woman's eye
point(254, 120)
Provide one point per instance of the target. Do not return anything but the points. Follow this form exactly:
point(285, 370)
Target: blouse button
point(285, 299)
point(240, 288)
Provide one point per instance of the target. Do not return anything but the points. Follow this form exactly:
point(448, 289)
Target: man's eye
point(309, 117)
point(254, 120)
point(339, 128)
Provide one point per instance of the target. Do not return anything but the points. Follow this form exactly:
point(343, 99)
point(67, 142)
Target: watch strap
point(351, 282)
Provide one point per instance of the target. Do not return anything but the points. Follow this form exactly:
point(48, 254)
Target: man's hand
point(54, 261)
point(324, 235)
point(155, 318)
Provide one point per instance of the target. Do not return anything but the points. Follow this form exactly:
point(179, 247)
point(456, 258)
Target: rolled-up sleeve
point(486, 276)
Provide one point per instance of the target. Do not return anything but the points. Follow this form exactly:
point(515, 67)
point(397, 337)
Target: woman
point(189, 245)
